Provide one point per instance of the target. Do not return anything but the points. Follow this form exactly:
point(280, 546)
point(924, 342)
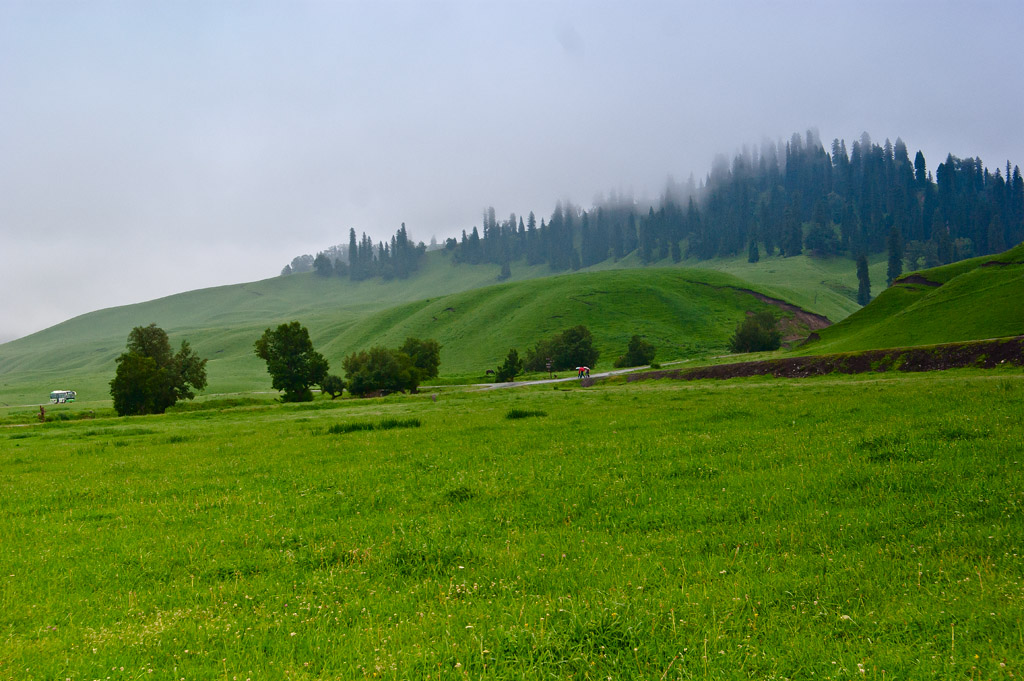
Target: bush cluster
point(638, 353)
point(381, 369)
point(572, 348)
point(756, 333)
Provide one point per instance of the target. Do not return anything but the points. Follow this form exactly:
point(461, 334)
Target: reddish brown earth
point(918, 279)
point(985, 354)
point(793, 328)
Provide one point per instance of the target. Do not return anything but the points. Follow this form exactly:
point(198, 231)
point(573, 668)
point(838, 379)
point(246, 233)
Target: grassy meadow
point(865, 527)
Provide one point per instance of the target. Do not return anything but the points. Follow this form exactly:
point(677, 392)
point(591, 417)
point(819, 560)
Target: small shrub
point(524, 413)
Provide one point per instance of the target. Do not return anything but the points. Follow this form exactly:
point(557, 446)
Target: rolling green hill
point(969, 300)
point(683, 312)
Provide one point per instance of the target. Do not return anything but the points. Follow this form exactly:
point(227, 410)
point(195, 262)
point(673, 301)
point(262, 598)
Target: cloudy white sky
point(148, 148)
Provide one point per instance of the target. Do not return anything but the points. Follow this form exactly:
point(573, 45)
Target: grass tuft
point(524, 413)
point(459, 494)
point(386, 424)
point(886, 447)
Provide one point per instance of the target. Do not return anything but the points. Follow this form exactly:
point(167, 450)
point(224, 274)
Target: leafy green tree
point(380, 369)
point(863, 281)
point(638, 352)
point(510, 369)
point(332, 385)
point(425, 356)
point(573, 347)
point(756, 333)
point(150, 377)
point(292, 362)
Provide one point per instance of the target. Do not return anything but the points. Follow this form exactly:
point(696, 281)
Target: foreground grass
point(748, 529)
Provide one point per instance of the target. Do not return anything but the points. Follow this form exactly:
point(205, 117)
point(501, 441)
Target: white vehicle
point(61, 396)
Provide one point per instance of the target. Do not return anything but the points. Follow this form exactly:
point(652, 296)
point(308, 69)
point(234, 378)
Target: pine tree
point(618, 247)
point(863, 281)
point(793, 235)
point(753, 254)
point(944, 245)
point(996, 242)
point(896, 249)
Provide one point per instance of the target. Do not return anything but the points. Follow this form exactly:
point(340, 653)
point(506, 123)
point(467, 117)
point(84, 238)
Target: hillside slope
point(683, 312)
point(968, 300)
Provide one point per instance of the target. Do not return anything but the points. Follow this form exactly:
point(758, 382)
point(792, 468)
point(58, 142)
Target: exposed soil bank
point(982, 354)
point(918, 279)
point(793, 328)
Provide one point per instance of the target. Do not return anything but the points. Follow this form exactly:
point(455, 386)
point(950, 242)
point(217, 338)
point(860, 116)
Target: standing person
point(579, 372)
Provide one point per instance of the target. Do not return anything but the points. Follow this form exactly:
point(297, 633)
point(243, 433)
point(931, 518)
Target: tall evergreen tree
point(896, 251)
point(793, 235)
point(753, 254)
point(863, 280)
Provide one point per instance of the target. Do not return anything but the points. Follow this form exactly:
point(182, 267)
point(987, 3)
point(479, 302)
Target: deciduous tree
point(425, 355)
point(150, 377)
point(292, 362)
point(573, 347)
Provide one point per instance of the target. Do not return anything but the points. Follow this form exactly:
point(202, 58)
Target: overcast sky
point(148, 148)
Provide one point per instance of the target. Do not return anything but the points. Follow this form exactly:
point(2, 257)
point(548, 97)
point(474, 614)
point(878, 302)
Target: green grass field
point(863, 527)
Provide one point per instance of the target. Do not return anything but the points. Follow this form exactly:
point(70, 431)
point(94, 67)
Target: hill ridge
point(963, 301)
point(684, 312)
